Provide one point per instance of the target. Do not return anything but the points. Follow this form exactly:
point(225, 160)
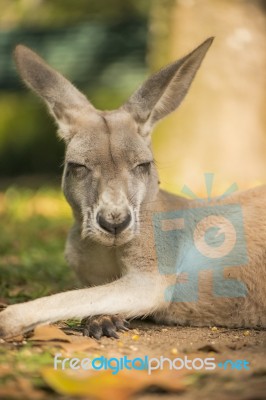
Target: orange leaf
point(48, 333)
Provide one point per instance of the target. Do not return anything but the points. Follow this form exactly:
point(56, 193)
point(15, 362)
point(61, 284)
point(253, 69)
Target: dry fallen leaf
point(105, 385)
point(53, 336)
point(15, 339)
point(48, 333)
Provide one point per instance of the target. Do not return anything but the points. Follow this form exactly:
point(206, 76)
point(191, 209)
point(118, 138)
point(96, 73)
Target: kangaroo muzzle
point(114, 215)
point(113, 227)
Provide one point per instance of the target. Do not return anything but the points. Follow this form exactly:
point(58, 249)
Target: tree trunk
point(220, 127)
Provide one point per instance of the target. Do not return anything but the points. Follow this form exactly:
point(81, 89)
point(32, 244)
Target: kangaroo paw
point(103, 325)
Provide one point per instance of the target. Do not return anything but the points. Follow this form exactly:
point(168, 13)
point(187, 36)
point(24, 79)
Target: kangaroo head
point(109, 171)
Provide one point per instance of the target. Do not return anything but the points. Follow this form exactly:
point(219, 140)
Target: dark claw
point(109, 329)
point(103, 325)
point(93, 329)
point(120, 323)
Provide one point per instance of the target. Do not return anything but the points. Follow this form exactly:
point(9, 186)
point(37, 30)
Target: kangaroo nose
point(113, 228)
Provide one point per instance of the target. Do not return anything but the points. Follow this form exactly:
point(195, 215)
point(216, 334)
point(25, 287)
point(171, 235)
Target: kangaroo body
point(97, 265)
point(139, 250)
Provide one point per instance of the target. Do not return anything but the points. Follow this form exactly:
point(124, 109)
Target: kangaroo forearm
point(131, 296)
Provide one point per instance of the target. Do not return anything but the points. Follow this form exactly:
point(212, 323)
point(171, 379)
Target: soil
point(146, 338)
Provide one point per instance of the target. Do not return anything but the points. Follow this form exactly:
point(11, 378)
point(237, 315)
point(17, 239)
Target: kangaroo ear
point(163, 92)
point(64, 101)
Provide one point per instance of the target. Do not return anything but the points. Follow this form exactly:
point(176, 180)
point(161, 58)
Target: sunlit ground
point(34, 226)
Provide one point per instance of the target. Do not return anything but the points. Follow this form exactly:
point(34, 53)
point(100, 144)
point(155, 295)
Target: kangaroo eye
point(77, 170)
point(75, 165)
point(143, 167)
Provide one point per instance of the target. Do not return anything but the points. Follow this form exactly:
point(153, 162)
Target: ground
point(34, 227)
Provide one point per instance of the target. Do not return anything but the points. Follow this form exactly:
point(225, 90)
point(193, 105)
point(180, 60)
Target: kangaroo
point(139, 250)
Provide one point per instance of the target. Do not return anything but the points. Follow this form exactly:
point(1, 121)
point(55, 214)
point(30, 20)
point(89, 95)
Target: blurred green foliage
point(61, 12)
point(27, 141)
point(100, 46)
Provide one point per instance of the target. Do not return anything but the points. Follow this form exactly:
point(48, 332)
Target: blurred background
point(107, 48)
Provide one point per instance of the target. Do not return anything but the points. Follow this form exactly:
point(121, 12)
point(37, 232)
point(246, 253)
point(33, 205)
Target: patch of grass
point(34, 226)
